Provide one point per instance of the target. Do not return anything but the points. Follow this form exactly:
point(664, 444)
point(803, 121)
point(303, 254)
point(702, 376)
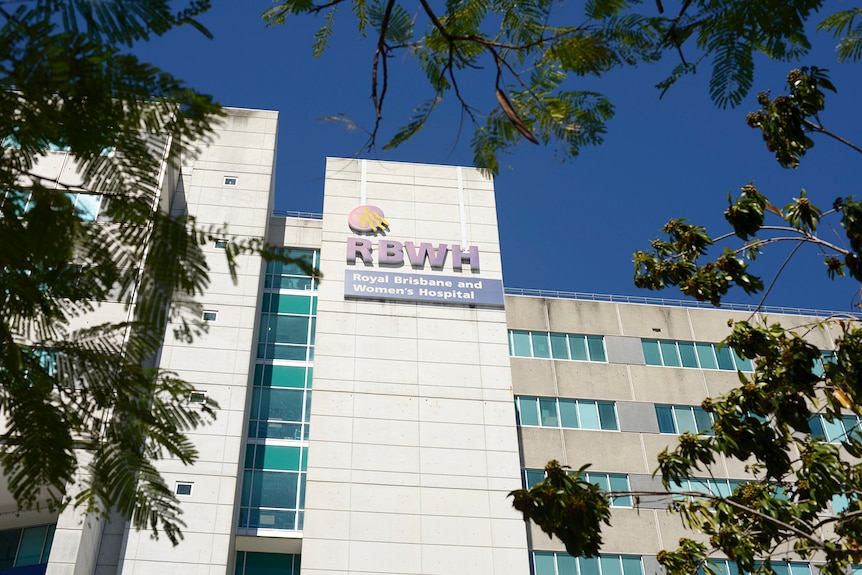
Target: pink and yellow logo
point(366, 219)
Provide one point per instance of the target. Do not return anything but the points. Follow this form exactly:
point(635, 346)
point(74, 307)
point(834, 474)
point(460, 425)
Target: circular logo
point(367, 219)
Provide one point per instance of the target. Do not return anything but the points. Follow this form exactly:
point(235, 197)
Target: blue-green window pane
point(652, 356)
point(800, 569)
point(632, 566)
point(281, 404)
point(291, 304)
point(277, 457)
point(588, 415)
point(600, 479)
point(743, 363)
point(611, 565)
point(528, 411)
point(548, 412)
point(607, 415)
point(700, 486)
point(620, 483)
point(559, 346)
point(596, 343)
point(30, 551)
point(578, 346)
point(533, 476)
point(703, 420)
point(284, 376)
point(685, 420)
point(49, 540)
point(722, 488)
point(589, 566)
point(541, 346)
point(725, 358)
point(669, 353)
point(817, 430)
point(851, 424)
point(274, 489)
point(88, 206)
point(567, 565)
point(569, 413)
point(780, 568)
point(268, 564)
point(521, 343)
point(544, 563)
point(664, 413)
point(687, 354)
point(706, 355)
point(247, 476)
point(288, 329)
point(834, 429)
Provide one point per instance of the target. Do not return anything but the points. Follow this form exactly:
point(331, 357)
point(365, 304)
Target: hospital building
point(373, 419)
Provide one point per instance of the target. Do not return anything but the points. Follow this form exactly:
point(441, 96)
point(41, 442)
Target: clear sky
point(569, 226)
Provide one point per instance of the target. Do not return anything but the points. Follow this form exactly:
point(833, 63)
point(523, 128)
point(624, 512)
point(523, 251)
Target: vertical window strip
point(689, 354)
point(566, 413)
point(555, 345)
point(550, 563)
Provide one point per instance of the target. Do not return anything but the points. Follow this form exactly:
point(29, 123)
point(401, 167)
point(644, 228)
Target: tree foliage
point(539, 50)
point(794, 421)
point(80, 402)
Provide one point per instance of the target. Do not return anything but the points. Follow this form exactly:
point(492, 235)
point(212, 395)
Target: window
point(680, 419)
point(549, 345)
point(248, 563)
point(25, 547)
point(834, 431)
point(210, 315)
point(280, 402)
point(183, 488)
point(566, 413)
point(220, 244)
point(293, 276)
point(273, 487)
point(230, 180)
point(287, 326)
point(726, 567)
point(691, 354)
point(716, 487)
point(617, 482)
point(198, 397)
point(547, 563)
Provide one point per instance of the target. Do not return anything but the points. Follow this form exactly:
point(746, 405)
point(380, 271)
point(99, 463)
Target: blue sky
point(568, 226)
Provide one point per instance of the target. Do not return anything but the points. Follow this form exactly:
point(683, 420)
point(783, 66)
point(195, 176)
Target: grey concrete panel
point(648, 483)
point(532, 376)
point(526, 313)
point(624, 349)
point(633, 532)
point(659, 322)
point(719, 383)
point(804, 325)
point(541, 445)
point(652, 566)
point(637, 416)
point(711, 325)
point(613, 452)
point(587, 380)
point(668, 385)
point(587, 317)
point(541, 541)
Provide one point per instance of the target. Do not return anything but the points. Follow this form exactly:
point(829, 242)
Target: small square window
point(210, 315)
point(220, 244)
point(198, 397)
point(183, 488)
point(230, 180)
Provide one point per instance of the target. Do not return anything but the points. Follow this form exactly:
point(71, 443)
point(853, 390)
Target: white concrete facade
point(414, 445)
